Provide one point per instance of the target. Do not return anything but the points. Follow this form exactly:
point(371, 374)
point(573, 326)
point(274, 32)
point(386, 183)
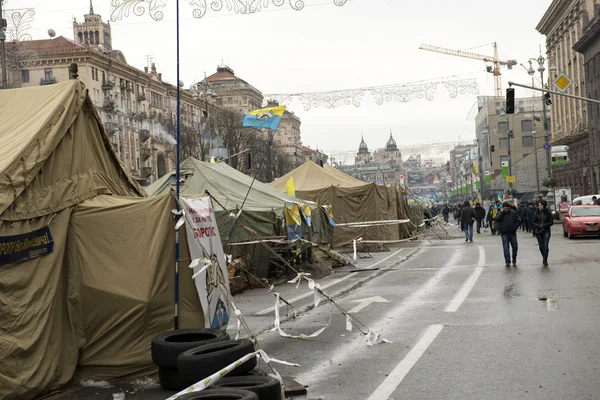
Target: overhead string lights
point(123, 8)
point(401, 93)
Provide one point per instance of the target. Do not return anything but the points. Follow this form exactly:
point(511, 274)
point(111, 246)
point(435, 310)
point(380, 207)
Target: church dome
point(391, 144)
point(362, 148)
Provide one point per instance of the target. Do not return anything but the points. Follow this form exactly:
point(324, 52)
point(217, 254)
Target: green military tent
point(86, 259)
point(263, 210)
point(352, 200)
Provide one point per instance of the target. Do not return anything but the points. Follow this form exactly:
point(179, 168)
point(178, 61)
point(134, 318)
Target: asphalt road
point(463, 326)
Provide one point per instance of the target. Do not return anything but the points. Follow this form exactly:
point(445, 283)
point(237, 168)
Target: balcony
point(109, 106)
point(145, 153)
point(146, 172)
point(47, 81)
point(141, 97)
point(107, 85)
point(111, 128)
point(144, 135)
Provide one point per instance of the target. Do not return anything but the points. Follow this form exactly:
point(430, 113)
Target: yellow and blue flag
point(265, 118)
point(290, 187)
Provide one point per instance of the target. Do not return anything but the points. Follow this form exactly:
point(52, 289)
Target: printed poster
point(205, 245)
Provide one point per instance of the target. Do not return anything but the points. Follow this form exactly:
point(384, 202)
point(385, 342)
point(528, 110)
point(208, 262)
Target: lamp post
point(541, 61)
point(537, 169)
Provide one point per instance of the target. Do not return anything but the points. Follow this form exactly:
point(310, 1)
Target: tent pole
point(177, 175)
point(270, 132)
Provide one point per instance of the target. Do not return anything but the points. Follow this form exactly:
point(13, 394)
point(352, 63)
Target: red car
point(582, 221)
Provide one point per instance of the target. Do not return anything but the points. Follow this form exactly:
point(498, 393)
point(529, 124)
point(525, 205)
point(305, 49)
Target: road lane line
point(387, 387)
point(395, 313)
point(376, 263)
point(327, 285)
point(466, 288)
point(552, 304)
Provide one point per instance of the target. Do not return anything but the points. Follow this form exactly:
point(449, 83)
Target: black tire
point(167, 346)
point(171, 379)
point(201, 362)
point(266, 387)
point(220, 394)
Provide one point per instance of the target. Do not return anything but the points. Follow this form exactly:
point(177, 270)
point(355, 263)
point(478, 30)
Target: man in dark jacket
point(479, 216)
point(507, 222)
point(542, 222)
point(531, 210)
point(467, 217)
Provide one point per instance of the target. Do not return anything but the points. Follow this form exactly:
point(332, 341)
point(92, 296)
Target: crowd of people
point(504, 219)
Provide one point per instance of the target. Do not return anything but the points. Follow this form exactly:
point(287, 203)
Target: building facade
point(589, 46)
point(562, 24)
point(494, 142)
point(136, 106)
point(233, 92)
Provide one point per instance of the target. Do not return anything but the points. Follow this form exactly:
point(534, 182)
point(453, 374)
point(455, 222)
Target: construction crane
point(488, 59)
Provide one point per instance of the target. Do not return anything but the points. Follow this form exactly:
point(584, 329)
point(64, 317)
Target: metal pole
point(270, 157)
point(3, 44)
point(177, 175)
point(546, 132)
point(481, 173)
point(537, 169)
point(510, 83)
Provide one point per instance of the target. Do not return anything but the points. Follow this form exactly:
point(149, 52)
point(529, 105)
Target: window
point(503, 159)
point(48, 74)
point(24, 75)
point(527, 125)
point(504, 143)
point(521, 109)
point(528, 141)
point(503, 127)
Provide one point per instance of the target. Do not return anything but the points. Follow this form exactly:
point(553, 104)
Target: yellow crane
point(488, 59)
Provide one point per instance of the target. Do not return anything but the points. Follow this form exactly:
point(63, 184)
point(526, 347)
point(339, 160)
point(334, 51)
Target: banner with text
point(26, 246)
point(210, 265)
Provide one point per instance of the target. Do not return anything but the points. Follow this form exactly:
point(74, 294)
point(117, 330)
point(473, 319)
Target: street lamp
point(541, 61)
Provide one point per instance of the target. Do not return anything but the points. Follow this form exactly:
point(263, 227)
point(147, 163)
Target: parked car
point(584, 200)
point(582, 221)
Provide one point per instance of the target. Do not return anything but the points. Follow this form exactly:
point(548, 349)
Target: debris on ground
point(96, 384)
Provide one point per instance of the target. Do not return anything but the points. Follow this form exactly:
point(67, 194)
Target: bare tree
point(191, 143)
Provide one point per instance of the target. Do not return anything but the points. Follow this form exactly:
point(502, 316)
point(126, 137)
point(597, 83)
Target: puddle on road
point(510, 291)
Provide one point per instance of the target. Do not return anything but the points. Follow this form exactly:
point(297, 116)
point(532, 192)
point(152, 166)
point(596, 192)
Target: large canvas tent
point(263, 208)
point(352, 200)
point(89, 307)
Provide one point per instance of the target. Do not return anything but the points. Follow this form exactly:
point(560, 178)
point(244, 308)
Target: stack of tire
point(186, 356)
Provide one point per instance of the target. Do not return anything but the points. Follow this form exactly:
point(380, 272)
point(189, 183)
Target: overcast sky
point(325, 47)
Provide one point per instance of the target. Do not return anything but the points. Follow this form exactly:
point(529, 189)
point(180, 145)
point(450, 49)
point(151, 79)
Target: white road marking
point(552, 304)
point(376, 263)
point(365, 302)
point(413, 301)
point(327, 285)
point(387, 387)
point(466, 288)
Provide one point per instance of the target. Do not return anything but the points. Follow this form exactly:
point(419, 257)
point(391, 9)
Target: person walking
point(479, 216)
point(467, 217)
point(446, 212)
point(507, 223)
point(490, 219)
point(542, 223)
point(530, 214)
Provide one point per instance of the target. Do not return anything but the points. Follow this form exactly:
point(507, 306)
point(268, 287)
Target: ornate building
point(135, 106)
point(364, 155)
point(589, 46)
point(562, 24)
point(234, 92)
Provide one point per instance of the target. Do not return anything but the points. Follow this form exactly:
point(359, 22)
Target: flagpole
point(177, 175)
point(271, 135)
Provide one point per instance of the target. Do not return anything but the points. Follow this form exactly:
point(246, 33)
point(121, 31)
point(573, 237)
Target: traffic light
point(492, 148)
point(547, 99)
point(510, 101)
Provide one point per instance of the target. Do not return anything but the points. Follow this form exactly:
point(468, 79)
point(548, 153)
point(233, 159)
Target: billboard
point(563, 199)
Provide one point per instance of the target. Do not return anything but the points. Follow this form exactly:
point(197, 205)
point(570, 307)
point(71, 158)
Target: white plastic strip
point(363, 224)
point(300, 336)
point(208, 381)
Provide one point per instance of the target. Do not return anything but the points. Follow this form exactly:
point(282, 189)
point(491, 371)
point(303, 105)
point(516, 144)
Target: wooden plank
point(292, 387)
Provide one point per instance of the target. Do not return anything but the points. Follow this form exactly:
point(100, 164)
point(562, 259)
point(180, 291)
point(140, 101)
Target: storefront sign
point(25, 246)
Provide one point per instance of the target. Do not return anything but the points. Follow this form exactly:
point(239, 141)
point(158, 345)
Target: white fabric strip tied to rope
point(374, 338)
point(204, 262)
point(181, 220)
point(300, 336)
point(209, 380)
point(312, 285)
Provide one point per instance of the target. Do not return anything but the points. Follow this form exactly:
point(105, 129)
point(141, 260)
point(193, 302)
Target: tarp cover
point(352, 201)
point(263, 209)
point(90, 308)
